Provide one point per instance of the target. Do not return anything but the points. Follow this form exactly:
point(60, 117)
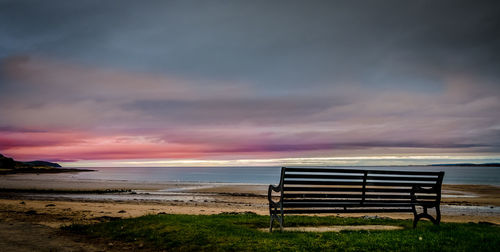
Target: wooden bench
point(332, 190)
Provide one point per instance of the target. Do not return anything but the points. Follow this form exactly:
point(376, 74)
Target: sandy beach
point(37, 204)
point(460, 203)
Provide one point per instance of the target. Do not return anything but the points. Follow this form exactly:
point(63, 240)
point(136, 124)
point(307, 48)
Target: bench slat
point(368, 196)
point(330, 170)
point(403, 172)
point(331, 205)
point(359, 183)
point(318, 182)
point(309, 211)
point(320, 176)
point(323, 189)
point(324, 170)
point(345, 189)
point(318, 195)
point(388, 190)
point(406, 178)
point(354, 201)
point(400, 184)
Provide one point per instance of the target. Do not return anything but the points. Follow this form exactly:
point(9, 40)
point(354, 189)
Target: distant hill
point(469, 164)
point(43, 163)
point(6, 163)
point(10, 163)
point(9, 166)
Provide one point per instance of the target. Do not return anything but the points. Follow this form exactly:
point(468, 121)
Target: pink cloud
point(71, 146)
point(87, 113)
point(20, 139)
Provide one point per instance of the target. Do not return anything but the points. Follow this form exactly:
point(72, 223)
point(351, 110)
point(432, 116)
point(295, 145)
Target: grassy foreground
point(226, 232)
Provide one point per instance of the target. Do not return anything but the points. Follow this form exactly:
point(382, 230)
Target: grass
point(226, 232)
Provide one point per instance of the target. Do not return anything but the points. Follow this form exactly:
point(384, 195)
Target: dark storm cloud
point(288, 44)
point(227, 110)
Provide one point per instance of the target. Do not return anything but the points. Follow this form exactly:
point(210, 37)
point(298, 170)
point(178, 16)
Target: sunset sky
point(234, 83)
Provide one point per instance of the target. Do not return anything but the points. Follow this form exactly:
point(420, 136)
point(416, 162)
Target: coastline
point(56, 203)
point(41, 170)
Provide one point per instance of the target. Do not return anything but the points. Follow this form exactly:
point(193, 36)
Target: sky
point(234, 83)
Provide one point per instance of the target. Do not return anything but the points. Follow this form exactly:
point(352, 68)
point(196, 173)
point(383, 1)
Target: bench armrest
point(272, 188)
point(419, 189)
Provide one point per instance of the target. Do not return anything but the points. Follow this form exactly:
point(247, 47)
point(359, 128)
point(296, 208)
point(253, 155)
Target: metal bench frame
point(409, 189)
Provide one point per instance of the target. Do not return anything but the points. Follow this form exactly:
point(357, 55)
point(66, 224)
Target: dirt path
point(25, 236)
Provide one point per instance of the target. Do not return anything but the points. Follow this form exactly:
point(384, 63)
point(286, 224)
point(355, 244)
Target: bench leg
point(278, 218)
point(417, 217)
point(271, 224)
point(281, 222)
point(438, 215)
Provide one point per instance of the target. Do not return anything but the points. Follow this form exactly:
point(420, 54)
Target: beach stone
point(487, 223)
point(375, 217)
point(31, 212)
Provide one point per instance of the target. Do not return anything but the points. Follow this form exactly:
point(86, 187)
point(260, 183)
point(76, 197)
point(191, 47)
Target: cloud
point(255, 110)
point(93, 80)
point(117, 114)
point(21, 138)
point(47, 92)
point(44, 76)
point(270, 44)
point(60, 146)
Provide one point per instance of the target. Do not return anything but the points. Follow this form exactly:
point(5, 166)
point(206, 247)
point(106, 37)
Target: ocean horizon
point(258, 175)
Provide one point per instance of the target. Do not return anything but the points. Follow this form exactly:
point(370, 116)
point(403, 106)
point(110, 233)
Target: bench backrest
point(331, 190)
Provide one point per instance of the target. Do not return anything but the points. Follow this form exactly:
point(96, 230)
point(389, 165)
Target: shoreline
point(452, 194)
point(31, 181)
point(55, 203)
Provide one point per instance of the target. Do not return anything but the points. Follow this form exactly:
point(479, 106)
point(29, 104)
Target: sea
point(240, 175)
point(264, 175)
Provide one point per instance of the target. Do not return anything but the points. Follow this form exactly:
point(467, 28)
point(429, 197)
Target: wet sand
point(460, 203)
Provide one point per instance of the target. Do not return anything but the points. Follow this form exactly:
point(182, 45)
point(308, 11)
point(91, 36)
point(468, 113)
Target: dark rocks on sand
point(239, 213)
point(375, 217)
point(31, 212)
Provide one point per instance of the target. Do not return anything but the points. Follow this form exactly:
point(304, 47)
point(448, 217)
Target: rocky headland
point(10, 166)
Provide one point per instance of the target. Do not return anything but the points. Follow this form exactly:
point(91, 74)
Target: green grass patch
point(226, 232)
